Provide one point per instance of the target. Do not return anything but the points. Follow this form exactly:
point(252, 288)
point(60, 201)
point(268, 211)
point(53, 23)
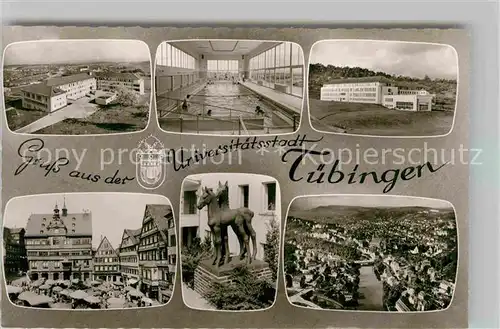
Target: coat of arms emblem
point(151, 163)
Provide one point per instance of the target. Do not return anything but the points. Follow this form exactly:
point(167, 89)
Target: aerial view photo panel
point(370, 253)
point(77, 87)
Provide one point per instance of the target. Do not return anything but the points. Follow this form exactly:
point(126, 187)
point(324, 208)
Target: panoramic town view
point(372, 253)
point(382, 88)
point(119, 251)
point(76, 87)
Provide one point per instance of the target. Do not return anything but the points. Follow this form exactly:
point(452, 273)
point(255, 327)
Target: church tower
point(64, 209)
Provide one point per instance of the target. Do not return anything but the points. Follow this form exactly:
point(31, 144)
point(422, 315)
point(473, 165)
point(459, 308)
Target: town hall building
point(59, 245)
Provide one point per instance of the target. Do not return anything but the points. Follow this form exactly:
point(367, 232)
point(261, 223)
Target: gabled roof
point(16, 230)
point(43, 89)
point(105, 245)
point(160, 213)
point(58, 81)
point(134, 235)
point(82, 224)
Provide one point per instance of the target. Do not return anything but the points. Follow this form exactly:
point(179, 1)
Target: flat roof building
point(55, 93)
point(376, 90)
point(112, 81)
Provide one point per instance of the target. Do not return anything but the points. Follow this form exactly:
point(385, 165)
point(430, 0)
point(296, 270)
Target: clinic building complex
point(377, 90)
point(56, 93)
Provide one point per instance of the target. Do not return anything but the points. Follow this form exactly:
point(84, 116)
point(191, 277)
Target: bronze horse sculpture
point(223, 193)
point(220, 216)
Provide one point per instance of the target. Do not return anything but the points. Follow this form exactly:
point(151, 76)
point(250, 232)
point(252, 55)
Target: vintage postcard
point(198, 176)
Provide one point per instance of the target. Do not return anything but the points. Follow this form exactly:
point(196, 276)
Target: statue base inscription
point(206, 274)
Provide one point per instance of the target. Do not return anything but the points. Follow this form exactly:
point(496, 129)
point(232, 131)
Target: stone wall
point(206, 274)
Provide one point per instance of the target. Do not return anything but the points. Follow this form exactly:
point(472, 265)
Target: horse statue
point(219, 218)
point(223, 193)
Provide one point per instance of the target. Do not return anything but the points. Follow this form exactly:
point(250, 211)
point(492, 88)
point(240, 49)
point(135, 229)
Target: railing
point(232, 121)
point(241, 126)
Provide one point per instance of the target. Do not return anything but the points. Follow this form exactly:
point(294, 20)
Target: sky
point(111, 212)
point(366, 201)
point(396, 58)
point(76, 51)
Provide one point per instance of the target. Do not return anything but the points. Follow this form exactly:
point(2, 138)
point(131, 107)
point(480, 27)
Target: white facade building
point(43, 98)
point(257, 192)
point(111, 81)
point(76, 86)
point(55, 93)
point(376, 90)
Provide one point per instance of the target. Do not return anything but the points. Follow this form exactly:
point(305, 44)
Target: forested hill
point(320, 74)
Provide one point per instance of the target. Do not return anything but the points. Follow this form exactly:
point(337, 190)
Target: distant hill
point(354, 212)
point(445, 89)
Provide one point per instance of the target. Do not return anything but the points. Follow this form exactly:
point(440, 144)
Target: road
point(372, 290)
point(78, 110)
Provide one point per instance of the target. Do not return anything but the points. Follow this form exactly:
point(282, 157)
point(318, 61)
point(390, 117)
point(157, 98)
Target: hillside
point(444, 89)
point(345, 213)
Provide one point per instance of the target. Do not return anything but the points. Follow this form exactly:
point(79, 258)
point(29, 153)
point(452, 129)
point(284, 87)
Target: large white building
point(55, 93)
point(76, 86)
point(44, 98)
point(257, 192)
point(376, 90)
point(111, 81)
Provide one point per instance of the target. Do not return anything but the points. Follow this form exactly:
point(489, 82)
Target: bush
point(272, 246)
point(244, 292)
point(126, 97)
point(191, 256)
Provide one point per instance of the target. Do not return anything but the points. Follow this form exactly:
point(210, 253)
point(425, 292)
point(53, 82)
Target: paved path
point(78, 110)
point(194, 299)
point(297, 298)
point(372, 290)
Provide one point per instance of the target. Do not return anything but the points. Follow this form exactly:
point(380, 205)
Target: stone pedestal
point(206, 274)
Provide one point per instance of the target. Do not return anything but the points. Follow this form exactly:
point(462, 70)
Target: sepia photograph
point(77, 87)
point(229, 87)
point(382, 88)
point(89, 250)
point(370, 253)
point(230, 241)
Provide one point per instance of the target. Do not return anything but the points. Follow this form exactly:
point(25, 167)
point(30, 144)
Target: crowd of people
point(76, 294)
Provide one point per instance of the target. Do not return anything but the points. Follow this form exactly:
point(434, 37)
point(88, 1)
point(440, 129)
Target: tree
point(290, 259)
point(191, 257)
point(127, 97)
point(303, 281)
point(272, 246)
